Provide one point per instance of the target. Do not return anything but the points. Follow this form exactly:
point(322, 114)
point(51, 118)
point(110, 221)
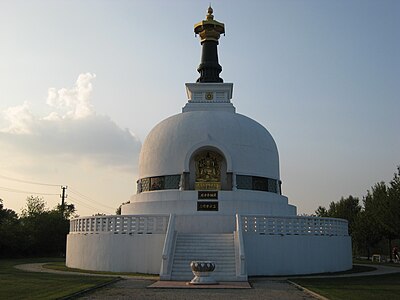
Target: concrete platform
point(186, 285)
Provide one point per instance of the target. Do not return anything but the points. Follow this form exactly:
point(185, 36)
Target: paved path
point(137, 289)
point(262, 288)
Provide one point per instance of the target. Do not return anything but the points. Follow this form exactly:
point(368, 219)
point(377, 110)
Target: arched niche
point(208, 170)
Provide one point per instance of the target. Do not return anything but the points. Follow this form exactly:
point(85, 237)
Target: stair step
point(225, 242)
point(185, 272)
point(204, 247)
point(205, 239)
point(218, 278)
point(206, 252)
point(218, 267)
point(216, 260)
point(205, 243)
point(198, 241)
point(202, 258)
point(183, 235)
point(219, 248)
point(190, 276)
point(217, 254)
point(217, 263)
point(181, 272)
point(225, 273)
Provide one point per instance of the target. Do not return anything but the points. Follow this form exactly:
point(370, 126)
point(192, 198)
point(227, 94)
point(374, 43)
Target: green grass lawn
point(17, 284)
point(363, 288)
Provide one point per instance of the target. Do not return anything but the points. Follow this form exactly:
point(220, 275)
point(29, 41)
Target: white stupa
point(209, 188)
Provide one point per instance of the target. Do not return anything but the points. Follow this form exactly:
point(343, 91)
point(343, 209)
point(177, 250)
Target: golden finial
point(209, 29)
point(210, 16)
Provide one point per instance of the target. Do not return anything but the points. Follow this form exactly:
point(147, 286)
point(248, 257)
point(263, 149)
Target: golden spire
point(210, 15)
point(209, 29)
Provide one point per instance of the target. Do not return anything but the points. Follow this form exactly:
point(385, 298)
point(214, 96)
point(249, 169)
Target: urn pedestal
point(202, 271)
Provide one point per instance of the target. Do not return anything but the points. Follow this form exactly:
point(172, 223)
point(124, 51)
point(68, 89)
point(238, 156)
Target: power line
point(83, 197)
point(80, 195)
point(81, 202)
point(27, 181)
point(88, 206)
point(25, 192)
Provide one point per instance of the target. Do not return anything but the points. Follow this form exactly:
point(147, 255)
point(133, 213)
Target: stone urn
point(202, 271)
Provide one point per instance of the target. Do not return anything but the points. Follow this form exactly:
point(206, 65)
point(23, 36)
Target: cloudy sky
point(83, 82)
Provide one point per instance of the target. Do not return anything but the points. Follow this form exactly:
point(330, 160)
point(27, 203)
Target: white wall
point(115, 252)
point(230, 203)
point(296, 254)
point(266, 254)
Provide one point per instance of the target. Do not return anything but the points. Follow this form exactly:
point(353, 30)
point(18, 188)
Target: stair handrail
point(242, 257)
point(165, 271)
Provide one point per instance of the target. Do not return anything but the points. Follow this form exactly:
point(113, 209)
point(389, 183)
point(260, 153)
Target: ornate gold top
point(210, 15)
point(209, 29)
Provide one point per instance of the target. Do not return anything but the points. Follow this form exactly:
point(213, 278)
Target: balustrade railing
point(241, 257)
point(120, 224)
point(296, 225)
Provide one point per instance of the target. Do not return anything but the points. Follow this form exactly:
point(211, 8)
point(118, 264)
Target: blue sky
point(83, 82)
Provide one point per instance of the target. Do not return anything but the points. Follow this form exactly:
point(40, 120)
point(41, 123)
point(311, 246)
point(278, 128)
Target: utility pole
point(63, 197)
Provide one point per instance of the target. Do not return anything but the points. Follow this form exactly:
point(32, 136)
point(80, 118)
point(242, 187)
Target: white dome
point(248, 147)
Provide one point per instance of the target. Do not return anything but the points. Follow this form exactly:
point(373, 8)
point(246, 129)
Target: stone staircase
point(218, 248)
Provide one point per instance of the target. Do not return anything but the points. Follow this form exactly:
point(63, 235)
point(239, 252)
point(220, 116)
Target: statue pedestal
point(202, 271)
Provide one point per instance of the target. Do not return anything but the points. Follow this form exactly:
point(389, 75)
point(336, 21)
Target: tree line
point(38, 231)
point(372, 221)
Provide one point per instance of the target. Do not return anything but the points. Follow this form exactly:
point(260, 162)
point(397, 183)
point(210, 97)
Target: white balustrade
point(167, 254)
point(296, 225)
point(124, 224)
point(241, 270)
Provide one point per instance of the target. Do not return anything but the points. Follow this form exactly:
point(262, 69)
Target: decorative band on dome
point(243, 182)
point(156, 183)
point(257, 183)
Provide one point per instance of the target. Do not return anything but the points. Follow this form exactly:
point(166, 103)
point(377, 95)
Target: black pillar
point(209, 67)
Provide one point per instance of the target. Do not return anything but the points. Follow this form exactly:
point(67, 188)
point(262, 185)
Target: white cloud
point(76, 100)
point(72, 131)
point(20, 119)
